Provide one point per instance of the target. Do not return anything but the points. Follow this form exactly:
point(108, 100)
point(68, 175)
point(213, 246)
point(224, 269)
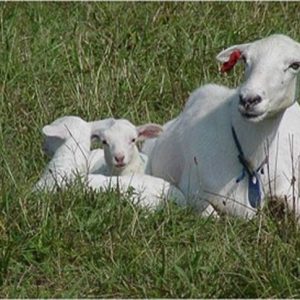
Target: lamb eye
point(295, 66)
point(104, 142)
point(133, 140)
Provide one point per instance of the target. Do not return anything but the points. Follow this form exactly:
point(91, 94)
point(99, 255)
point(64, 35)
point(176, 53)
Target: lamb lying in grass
point(68, 139)
point(95, 161)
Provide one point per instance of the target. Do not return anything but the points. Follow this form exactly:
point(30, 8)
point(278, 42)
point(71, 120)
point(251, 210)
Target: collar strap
point(254, 190)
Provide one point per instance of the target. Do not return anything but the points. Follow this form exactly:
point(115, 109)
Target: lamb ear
point(54, 131)
point(230, 56)
point(149, 131)
point(97, 127)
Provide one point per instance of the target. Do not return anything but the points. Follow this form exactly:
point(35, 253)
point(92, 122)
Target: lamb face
point(272, 65)
point(119, 143)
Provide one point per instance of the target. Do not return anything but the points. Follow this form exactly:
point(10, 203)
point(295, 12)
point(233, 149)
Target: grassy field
point(138, 61)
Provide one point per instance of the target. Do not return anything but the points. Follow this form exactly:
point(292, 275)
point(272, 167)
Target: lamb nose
point(119, 158)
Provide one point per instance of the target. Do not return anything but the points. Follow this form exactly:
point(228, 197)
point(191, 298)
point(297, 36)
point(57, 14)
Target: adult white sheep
point(225, 138)
point(119, 143)
point(67, 141)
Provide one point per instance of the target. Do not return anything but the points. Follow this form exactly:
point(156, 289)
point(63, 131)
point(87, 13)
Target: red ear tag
point(233, 58)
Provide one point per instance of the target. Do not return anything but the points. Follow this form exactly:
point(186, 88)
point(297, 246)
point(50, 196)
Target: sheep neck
point(254, 190)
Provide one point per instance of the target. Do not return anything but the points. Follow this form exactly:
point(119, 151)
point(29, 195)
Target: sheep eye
point(295, 66)
point(133, 140)
point(104, 142)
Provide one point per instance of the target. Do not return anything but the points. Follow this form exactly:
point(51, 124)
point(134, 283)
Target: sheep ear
point(149, 131)
point(97, 127)
point(224, 55)
point(102, 124)
point(230, 56)
point(54, 131)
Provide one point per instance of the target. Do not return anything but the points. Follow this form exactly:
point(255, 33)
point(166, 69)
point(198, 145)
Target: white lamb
point(235, 147)
point(120, 151)
point(68, 141)
point(95, 161)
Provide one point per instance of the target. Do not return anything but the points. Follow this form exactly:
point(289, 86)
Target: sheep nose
point(248, 102)
point(119, 158)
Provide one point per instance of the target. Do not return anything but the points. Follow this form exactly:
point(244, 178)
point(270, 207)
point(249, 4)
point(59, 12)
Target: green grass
point(139, 61)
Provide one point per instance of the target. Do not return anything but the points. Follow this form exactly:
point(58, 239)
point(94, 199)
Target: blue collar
point(254, 190)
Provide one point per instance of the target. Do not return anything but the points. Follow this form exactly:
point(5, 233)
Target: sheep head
point(62, 129)
point(272, 65)
point(119, 141)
